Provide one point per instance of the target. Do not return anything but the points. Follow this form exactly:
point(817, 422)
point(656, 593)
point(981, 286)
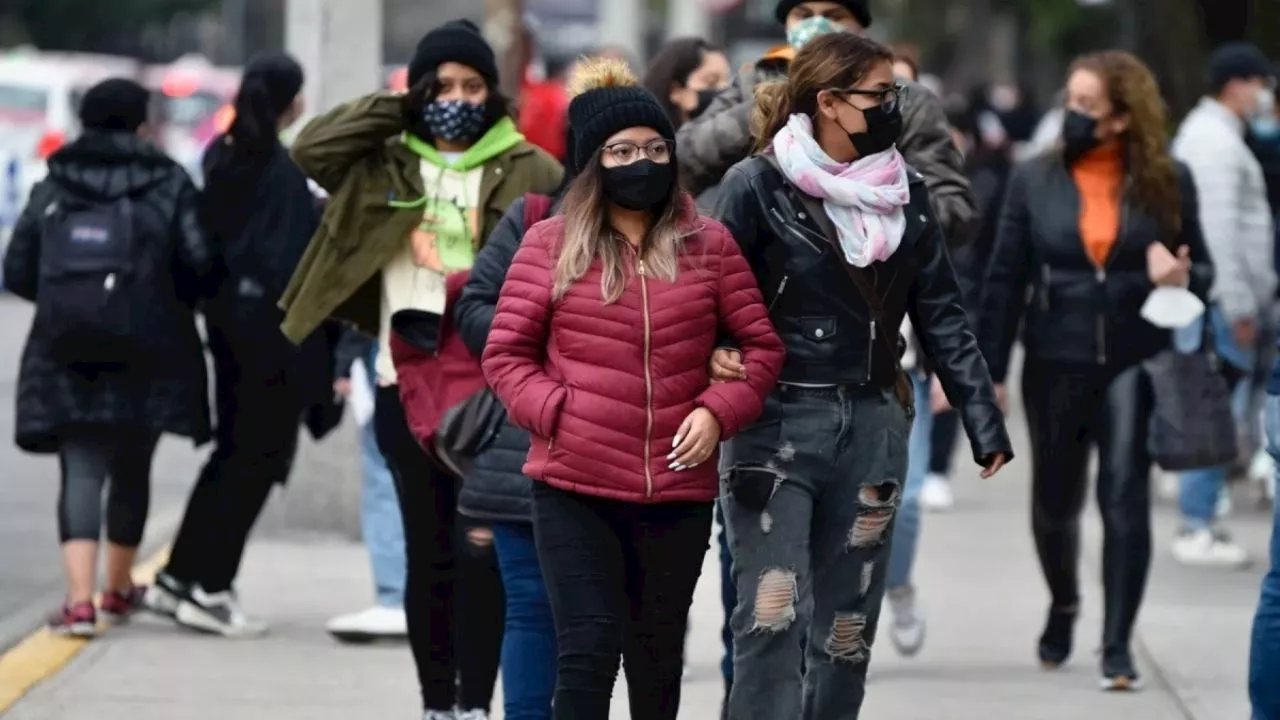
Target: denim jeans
point(728, 596)
point(906, 529)
point(529, 642)
point(380, 521)
point(810, 494)
point(1264, 656)
point(1200, 489)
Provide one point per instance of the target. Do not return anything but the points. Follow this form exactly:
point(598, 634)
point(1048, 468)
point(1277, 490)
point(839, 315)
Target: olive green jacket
point(356, 153)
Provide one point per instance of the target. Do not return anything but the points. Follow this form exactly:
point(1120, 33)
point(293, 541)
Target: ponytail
point(254, 128)
point(773, 108)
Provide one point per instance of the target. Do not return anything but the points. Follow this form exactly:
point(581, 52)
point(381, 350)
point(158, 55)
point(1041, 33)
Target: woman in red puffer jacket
point(600, 347)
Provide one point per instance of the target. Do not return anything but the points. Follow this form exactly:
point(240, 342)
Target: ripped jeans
point(810, 495)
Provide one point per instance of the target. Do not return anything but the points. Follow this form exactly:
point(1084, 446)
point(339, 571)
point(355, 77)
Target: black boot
point(1055, 642)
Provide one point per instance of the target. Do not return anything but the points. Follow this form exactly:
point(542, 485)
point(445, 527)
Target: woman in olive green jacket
point(417, 182)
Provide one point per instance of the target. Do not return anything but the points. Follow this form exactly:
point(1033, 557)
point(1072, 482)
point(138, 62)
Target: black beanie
point(115, 105)
point(608, 98)
point(859, 8)
point(1237, 61)
point(455, 41)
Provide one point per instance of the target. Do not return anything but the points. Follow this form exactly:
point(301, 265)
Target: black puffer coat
point(168, 391)
point(496, 488)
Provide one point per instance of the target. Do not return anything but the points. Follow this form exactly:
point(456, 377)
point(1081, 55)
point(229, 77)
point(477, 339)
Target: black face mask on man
point(1079, 134)
point(638, 186)
point(884, 125)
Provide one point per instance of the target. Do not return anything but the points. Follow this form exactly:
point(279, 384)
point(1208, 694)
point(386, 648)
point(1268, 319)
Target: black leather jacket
point(829, 332)
point(1076, 313)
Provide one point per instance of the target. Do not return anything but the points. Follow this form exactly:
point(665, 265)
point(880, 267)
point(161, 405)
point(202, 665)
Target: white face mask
point(1266, 106)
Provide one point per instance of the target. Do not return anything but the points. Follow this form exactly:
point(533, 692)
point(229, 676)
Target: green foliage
point(91, 24)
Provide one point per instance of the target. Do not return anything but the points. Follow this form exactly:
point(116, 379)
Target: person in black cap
point(1238, 229)
point(110, 250)
point(257, 207)
point(599, 347)
point(417, 183)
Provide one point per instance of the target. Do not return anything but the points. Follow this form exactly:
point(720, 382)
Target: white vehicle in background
point(194, 99)
point(39, 96)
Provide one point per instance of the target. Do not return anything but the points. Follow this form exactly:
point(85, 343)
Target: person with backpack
point(257, 207)
point(418, 182)
point(110, 250)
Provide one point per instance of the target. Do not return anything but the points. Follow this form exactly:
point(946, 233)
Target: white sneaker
point(471, 715)
point(936, 495)
point(1224, 506)
point(1208, 548)
point(439, 715)
point(375, 623)
point(217, 613)
point(908, 627)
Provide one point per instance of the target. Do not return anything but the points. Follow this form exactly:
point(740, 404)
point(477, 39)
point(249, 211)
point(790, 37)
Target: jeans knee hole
point(775, 602)
point(847, 641)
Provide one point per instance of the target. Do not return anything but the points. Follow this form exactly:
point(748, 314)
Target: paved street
point(977, 575)
point(30, 573)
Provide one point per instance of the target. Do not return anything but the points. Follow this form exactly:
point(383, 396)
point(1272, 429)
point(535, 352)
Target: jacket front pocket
point(818, 329)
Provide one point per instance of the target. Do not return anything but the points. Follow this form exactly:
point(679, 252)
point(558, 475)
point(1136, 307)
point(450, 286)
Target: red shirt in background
point(544, 111)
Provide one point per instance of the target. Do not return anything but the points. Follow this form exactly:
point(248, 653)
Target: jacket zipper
point(648, 384)
point(871, 349)
point(778, 295)
point(1100, 318)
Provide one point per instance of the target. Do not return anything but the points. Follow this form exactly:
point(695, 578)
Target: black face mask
point(705, 97)
point(638, 186)
point(884, 125)
point(1078, 135)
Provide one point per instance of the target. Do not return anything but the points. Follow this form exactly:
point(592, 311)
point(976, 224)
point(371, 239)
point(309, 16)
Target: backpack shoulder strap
point(536, 209)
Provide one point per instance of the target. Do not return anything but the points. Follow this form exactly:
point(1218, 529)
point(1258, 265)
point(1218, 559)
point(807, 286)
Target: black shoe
point(1055, 641)
point(218, 614)
point(1119, 674)
point(165, 595)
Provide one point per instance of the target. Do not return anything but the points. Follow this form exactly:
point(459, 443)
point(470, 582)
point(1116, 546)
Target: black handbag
point(468, 429)
point(1192, 425)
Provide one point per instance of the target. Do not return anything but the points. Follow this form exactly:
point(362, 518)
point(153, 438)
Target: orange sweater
point(1099, 175)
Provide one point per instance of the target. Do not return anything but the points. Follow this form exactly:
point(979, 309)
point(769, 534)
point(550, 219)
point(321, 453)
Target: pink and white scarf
point(864, 198)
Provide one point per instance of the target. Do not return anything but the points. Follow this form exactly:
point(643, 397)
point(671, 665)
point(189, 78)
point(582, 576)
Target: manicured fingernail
point(693, 466)
point(672, 456)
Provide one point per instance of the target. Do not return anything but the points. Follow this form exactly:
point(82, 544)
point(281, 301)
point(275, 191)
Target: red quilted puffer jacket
point(603, 388)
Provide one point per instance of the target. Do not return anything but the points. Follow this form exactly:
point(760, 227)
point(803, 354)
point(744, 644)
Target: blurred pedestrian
point(110, 250)
point(686, 75)
point(812, 489)
point(625, 422)
point(496, 488)
point(418, 182)
point(257, 208)
point(544, 109)
point(1264, 655)
point(1239, 231)
point(721, 136)
point(1092, 228)
point(381, 527)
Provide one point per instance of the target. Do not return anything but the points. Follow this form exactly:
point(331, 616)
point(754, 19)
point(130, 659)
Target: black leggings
point(258, 412)
point(450, 563)
point(88, 459)
point(1069, 410)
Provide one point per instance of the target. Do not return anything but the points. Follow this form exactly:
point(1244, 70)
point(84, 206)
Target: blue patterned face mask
point(454, 120)
point(802, 32)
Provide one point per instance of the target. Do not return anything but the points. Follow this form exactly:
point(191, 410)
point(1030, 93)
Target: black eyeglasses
point(627, 152)
point(883, 96)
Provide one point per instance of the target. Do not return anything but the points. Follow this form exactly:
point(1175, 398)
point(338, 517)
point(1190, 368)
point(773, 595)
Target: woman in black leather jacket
point(813, 486)
point(1093, 228)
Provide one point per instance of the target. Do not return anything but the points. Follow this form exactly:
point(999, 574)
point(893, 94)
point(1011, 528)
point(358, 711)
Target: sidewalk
point(978, 579)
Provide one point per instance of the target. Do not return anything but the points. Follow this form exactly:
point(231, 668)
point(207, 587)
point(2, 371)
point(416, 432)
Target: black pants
point(256, 440)
point(118, 458)
point(1070, 409)
point(620, 578)
point(450, 564)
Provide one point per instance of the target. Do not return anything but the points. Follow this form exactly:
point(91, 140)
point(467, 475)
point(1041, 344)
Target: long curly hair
point(1132, 89)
